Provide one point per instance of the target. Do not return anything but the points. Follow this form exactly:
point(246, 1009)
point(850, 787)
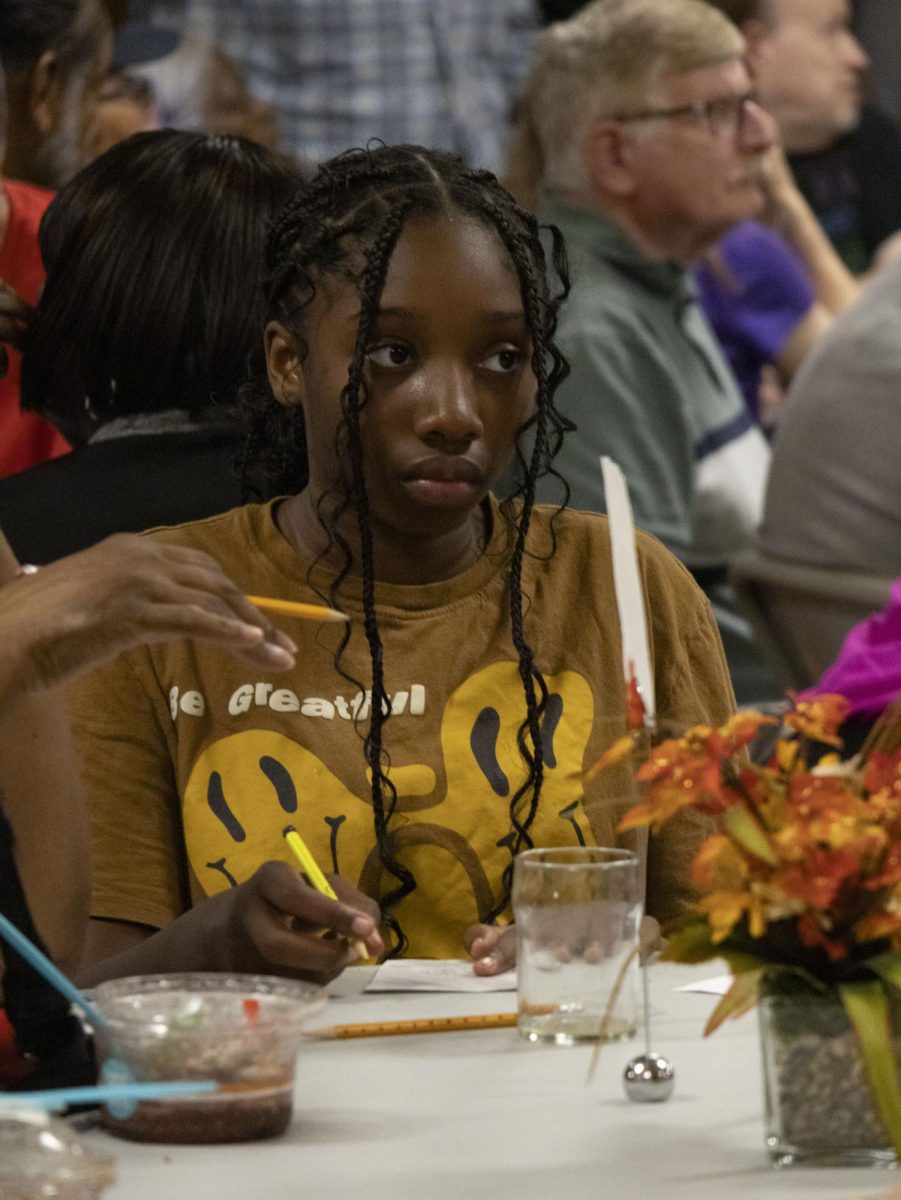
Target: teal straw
point(45, 967)
point(53, 1099)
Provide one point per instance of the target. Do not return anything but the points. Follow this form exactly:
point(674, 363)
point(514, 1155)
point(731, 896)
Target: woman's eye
point(391, 354)
point(504, 361)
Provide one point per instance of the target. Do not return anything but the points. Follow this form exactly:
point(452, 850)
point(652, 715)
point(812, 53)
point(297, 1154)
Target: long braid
point(353, 398)
point(532, 751)
point(355, 209)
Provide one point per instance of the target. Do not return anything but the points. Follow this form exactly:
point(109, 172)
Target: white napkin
point(437, 975)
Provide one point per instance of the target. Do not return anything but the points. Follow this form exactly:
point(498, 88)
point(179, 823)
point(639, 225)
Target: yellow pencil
point(295, 608)
point(313, 872)
point(308, 863)
point(424, 1025)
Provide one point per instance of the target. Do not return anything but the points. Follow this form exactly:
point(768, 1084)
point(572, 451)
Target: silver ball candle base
point(649, 1078)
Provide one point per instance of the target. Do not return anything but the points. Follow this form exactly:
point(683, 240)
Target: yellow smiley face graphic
point(451, 826)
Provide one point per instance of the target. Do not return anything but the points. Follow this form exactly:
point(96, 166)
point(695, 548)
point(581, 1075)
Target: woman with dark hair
point(141, 337)
point(410, 356)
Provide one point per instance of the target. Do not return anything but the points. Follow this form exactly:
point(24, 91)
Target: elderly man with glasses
point(641, 138)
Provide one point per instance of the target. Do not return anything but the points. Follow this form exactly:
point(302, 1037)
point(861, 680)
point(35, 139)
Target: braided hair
point(347, 221)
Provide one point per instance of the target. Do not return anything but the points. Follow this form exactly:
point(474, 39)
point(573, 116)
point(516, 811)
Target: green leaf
point(740, 998)
point(867, 1007)
point(887, 967)
point(750, 834)
point(786, 978)
point(739, 962)
point(691, 943)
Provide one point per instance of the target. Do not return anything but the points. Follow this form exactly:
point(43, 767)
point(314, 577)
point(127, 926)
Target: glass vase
point(819, 1109)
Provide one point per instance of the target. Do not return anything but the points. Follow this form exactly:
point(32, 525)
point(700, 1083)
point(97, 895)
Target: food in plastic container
point(243, 1031)
point(42, 1159)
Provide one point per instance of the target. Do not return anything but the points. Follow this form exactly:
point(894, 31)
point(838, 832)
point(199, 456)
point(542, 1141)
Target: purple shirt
point(868, 668)
point(755, 292)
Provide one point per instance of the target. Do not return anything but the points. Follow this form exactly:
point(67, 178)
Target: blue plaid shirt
point(441, 73)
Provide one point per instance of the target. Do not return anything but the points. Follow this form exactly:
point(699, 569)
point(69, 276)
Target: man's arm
point(788, 212)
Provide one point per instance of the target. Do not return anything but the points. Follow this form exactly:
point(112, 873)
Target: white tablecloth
point(487, 1116)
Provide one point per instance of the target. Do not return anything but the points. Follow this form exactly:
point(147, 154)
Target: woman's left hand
point(492, 948)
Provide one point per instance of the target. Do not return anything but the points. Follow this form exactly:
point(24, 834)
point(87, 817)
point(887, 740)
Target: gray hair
point(604, 62)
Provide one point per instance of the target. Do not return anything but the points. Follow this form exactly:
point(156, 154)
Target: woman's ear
point(283, 365)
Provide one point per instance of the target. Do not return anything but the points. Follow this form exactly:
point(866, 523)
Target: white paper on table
point(709, 987)
point(437, 975)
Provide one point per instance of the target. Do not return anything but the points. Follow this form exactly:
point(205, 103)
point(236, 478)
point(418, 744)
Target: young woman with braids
point(409, 356)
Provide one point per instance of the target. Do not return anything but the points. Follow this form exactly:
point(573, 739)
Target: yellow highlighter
point(310, 867)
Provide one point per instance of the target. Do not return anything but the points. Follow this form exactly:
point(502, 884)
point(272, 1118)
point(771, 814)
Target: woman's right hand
point(278, 924)
point(273, 924)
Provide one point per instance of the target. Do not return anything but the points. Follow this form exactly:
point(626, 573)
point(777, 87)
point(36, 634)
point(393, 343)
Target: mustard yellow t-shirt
point(195, 762)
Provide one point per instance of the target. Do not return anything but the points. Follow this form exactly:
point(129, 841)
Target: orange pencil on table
point(419, 1025)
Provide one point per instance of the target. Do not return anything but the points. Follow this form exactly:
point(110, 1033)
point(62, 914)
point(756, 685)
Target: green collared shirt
point(649, 386)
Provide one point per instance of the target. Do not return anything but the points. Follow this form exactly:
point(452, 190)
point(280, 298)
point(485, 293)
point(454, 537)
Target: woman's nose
point(449, 415)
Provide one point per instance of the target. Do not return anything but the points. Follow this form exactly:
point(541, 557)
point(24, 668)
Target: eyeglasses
point(724, 116)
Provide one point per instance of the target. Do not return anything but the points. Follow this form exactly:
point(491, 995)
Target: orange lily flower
point(819, 718)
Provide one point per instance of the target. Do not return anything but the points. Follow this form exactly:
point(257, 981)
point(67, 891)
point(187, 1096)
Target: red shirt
point(14, 1070)
point(25, 439)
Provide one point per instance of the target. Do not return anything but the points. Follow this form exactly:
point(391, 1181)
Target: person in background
point(127, 106)
point(867, 672)
point(808, 70)
point(409, 340)
point(196, 86)
point(55, 54)
point(640, 136)
point(834, 494)
point(25, 438)
point(142, 335)
point(771, 291)
point(877, 26)
point(443, 73)
point(768, 289)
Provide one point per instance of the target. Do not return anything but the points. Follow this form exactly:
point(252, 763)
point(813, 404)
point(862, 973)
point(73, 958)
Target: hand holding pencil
point(316, 878)
point(273, 923)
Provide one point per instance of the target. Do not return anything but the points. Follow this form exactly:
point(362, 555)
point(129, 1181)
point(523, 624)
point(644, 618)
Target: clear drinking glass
point(577, 913)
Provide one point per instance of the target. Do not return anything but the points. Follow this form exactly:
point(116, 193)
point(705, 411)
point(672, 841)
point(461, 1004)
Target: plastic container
point(41, 1158)
point(243, 1031)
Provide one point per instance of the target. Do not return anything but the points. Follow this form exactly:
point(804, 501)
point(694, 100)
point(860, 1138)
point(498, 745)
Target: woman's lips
point(443, 492)
point(444, 482)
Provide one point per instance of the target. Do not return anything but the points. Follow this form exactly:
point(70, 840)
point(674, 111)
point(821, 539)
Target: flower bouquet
point(800, 892)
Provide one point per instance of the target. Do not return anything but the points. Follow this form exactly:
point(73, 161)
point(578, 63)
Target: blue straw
point(53, 1099)
point(45, 967)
